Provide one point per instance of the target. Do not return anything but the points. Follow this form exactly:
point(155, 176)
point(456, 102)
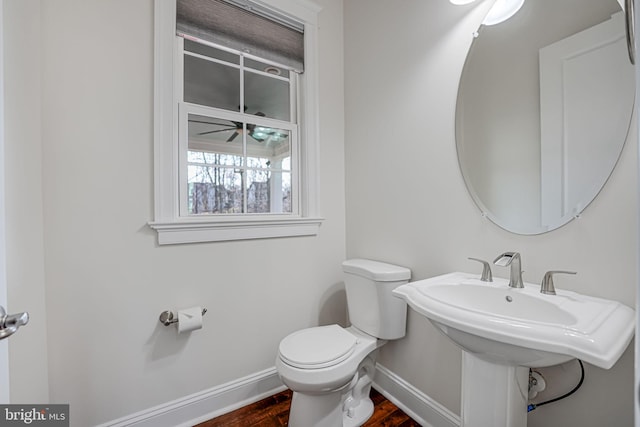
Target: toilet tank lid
point(376, 270)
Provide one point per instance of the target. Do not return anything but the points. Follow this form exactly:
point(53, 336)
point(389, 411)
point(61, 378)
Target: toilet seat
point(318, 347)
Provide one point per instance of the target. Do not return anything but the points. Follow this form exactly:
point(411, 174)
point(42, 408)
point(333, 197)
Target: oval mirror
point(544, 107)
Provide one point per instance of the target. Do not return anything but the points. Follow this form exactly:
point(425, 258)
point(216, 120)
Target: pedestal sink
point(505, 331)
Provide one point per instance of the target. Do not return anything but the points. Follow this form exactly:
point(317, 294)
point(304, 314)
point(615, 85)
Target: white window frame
point(172, 228)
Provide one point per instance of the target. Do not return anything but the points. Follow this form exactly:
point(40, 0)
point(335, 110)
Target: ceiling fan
point(236, 128)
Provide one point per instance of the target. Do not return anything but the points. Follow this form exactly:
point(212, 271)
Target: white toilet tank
point(372, 307)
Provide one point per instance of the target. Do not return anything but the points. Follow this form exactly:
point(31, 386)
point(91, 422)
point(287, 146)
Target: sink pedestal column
point(492, 394)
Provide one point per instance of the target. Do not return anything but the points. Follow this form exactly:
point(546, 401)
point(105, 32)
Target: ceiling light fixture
point(499, 12)
point(502, 10)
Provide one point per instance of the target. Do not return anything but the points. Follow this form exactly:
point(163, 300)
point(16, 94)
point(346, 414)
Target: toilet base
point(326, 411)
point(357, 405)
point(357, 416)
point(308, 410)
point(349, 406)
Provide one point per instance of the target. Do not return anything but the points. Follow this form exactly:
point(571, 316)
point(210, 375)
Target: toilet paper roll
point(189, 319)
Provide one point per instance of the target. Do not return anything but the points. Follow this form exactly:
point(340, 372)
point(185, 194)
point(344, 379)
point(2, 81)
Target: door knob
point(9, 323)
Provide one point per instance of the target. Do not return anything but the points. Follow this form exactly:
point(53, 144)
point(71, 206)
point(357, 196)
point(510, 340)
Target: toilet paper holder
point(167, 317)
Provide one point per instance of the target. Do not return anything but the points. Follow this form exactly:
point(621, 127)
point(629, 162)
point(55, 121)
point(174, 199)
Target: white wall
point(24, 212)
point(403, 61)
point(87, 73)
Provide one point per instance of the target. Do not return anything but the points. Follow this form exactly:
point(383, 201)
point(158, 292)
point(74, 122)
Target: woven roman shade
point(258, 31)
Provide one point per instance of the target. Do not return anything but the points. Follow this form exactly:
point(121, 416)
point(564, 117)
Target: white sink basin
point(522, 327)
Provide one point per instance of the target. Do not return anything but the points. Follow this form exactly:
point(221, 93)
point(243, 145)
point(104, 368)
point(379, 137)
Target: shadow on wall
point(333, 306)
point(165, 342)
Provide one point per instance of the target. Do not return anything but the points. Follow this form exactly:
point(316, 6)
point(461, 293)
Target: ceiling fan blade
point(210, 123)
point(232, 137)
point(216, 131)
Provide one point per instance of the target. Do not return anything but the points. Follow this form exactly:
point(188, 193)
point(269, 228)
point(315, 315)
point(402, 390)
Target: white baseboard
point(412, 401)
point(207, 404)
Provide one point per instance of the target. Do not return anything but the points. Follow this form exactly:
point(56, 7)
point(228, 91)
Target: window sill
point(198, 231)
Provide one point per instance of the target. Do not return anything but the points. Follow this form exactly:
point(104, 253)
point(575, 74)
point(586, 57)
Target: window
point(235, 133)
point(239, 131)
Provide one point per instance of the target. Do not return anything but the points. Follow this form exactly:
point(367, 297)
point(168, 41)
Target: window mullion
point(243, 169)
point(242, 106)
point(210, 59)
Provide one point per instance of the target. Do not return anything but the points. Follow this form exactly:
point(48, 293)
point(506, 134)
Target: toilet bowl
point(330, 368)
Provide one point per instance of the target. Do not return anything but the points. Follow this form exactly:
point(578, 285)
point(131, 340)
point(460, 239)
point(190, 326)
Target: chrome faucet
point(512, 259)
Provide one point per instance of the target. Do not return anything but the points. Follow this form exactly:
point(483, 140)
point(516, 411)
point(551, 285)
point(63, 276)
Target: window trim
point(170, 226)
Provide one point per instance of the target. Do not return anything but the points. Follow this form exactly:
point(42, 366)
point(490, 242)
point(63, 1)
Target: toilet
point(330, 368)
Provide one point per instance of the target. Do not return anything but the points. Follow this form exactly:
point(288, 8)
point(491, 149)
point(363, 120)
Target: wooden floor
point(274, 412)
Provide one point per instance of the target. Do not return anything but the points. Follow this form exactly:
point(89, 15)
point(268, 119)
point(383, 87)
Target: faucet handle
point(547, 287)
point(486, 270)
